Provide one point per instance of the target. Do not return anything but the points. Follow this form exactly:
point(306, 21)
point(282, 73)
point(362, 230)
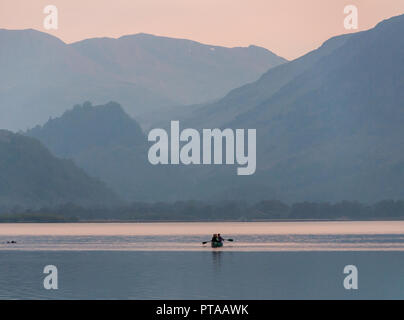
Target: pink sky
point(289, 28)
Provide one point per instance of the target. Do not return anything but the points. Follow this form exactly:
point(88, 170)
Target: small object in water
point(12, 241)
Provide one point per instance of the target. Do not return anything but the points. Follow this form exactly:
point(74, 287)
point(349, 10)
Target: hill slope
point(108, 144)
point(31, 177)
point(333, 130)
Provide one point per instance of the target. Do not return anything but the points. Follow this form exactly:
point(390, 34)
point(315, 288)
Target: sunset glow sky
point(289, 28)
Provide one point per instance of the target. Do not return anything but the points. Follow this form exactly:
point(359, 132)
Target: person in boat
point(219, 238)
point(215, 238)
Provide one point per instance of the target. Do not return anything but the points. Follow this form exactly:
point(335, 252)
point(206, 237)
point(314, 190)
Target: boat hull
point(217, 244)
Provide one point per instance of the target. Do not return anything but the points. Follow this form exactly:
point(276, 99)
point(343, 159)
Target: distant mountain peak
point(149, 36)
point(30, 33)
point(88, 106)
point(86, 126)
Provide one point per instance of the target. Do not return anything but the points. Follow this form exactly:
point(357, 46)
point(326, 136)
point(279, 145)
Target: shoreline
point(204, 221)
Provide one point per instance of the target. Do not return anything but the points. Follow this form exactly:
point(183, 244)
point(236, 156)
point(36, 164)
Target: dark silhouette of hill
point(85, 127)
point(107, 143)
point(30, 176)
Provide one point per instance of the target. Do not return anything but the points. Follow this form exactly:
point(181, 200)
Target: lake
point(267, 260)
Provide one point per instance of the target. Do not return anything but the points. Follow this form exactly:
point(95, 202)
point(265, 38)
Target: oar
point(205, 242)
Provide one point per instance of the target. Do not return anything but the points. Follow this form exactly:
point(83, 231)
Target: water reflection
point(218, 274)
point(217, 259)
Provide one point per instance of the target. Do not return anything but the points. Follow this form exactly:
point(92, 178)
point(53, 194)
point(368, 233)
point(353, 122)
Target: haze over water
point(248, 236)
point(267, 260)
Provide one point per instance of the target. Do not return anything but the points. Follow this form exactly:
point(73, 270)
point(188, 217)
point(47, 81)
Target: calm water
point(277, 260)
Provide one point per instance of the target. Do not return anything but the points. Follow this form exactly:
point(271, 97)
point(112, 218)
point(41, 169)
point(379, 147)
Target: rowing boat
point(216, 244)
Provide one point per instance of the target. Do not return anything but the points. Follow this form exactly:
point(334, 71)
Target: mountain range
point(329, 128)
point(41, 76)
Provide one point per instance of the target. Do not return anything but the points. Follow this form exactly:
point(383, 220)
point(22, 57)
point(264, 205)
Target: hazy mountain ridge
point(145, 73)
point(334, 131)
point(244, 99)
point(163, 59)
point(329, 128)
